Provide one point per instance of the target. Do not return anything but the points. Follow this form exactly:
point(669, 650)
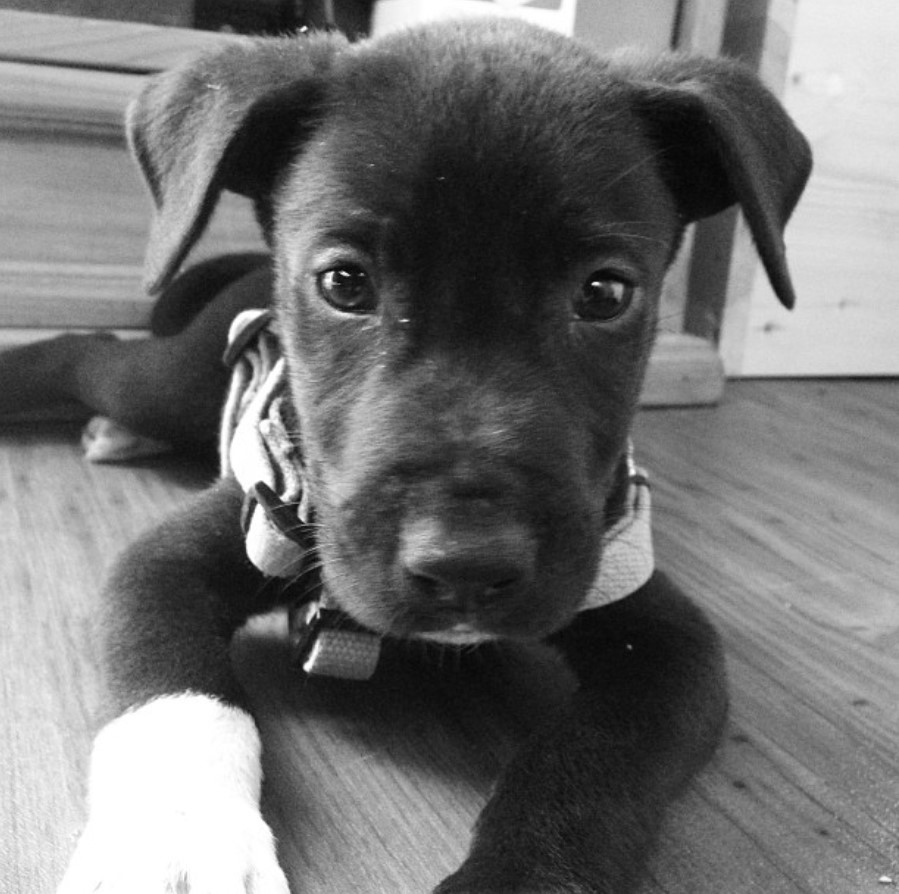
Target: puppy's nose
point(468, 570)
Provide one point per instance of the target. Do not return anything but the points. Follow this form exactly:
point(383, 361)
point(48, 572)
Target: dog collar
point(256, 448)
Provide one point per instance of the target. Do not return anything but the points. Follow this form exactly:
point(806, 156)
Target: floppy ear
point(724, 140)
point(222, 122)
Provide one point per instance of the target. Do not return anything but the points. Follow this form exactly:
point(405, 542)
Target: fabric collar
point(257, 449)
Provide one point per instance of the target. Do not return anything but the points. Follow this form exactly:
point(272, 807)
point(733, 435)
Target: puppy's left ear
point(724, 140)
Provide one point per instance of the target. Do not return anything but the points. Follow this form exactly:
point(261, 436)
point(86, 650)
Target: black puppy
point(469, 227)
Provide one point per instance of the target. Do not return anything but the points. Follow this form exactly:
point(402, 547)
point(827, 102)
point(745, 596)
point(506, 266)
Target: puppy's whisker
point(309, 570)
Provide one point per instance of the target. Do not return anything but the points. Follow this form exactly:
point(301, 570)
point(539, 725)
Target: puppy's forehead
point(527, 137)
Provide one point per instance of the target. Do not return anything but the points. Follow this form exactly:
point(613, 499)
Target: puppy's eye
point(603, 296)
point(348, 289)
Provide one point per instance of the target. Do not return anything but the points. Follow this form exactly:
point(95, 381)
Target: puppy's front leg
point(175, 778)
point(579, 810)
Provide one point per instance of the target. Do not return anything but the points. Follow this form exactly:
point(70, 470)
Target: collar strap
point(627, 560)
point(256, 447)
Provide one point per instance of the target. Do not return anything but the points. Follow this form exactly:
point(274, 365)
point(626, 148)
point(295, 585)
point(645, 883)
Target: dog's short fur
point(469, 226)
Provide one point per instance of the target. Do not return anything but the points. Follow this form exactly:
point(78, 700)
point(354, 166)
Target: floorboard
point(778, 509)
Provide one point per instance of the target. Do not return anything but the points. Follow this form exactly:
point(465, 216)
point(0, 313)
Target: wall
point(842, 88)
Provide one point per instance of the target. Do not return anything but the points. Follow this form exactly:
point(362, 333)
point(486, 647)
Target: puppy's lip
point(465, 628)
point(463, 633)
point(440, 624)
point(460, 628)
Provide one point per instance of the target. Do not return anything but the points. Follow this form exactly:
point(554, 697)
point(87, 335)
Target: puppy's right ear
point(724, 139)
point(228, 120)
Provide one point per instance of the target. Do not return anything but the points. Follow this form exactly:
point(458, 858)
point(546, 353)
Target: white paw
point(105, 441)
point(219, 849)
point(174, 805)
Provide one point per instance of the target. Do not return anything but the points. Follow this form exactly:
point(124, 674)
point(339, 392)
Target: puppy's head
point(470, 225)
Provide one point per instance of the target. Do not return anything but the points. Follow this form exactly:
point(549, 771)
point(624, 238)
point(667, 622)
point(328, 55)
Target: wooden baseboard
point(683, 371)
point(100, 43)
point(61, 295)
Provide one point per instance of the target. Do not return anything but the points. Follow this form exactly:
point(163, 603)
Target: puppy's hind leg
point(167, 389)
point(180, 302)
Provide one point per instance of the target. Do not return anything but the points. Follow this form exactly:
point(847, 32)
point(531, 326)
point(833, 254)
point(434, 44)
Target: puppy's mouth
point(462, 634)
point(526, 615)
point(449, 627)
point(453, 627)
point(474, 572)
point(461, 584)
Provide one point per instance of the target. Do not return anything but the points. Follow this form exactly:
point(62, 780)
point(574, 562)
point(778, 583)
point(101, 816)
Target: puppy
point(469, 226)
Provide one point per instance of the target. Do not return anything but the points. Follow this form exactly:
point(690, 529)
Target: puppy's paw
point(174, 805)
point(217, 849)
point(106, 441)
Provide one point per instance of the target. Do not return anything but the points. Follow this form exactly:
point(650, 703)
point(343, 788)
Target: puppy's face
point(470, 223)
point(469, 269)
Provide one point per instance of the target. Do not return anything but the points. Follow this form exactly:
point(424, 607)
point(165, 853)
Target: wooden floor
point(778, 509)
